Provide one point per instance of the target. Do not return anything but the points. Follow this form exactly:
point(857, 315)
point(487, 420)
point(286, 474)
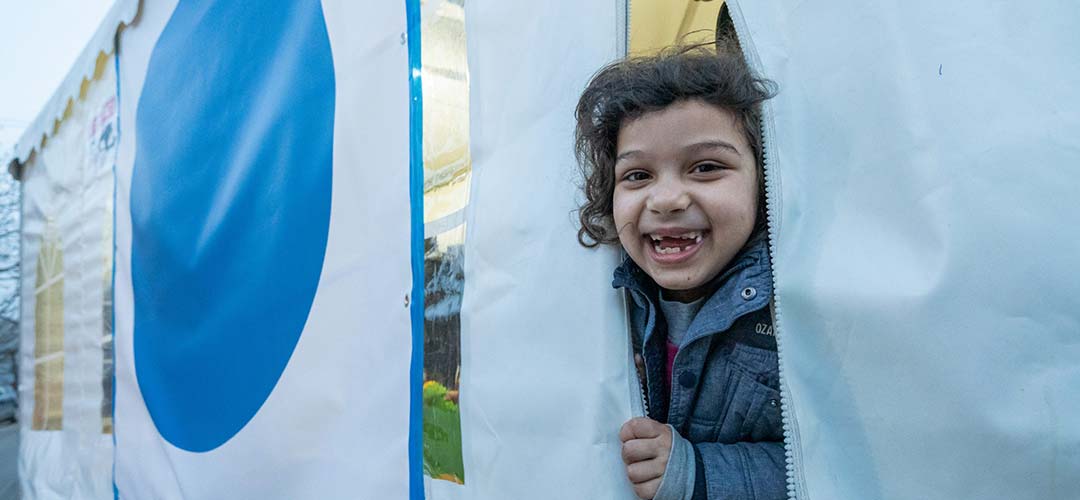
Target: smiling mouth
point(672, 245)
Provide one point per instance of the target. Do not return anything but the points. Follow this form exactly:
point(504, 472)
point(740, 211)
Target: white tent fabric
point(65, 408)
point(546, 373)
point(122, 12)
point(921, 195)
point(922, 171)
point(336, 423)
point(546, 383)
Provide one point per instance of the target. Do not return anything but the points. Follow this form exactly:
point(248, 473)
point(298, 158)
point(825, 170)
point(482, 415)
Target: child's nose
point(668, 197)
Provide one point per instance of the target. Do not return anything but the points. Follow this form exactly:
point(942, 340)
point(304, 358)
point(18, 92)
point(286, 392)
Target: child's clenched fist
point(646, 445)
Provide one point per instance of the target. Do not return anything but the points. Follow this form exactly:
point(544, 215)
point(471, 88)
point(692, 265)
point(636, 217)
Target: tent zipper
point(796, 488)
point(622, 27)
point(639, 403)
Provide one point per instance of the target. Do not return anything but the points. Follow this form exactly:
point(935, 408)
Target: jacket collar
point(743, 286)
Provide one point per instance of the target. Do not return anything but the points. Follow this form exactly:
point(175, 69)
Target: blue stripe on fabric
point(116, 65)
point(416, 197)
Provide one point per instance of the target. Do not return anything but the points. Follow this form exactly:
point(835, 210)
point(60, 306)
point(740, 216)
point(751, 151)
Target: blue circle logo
point(230, 209)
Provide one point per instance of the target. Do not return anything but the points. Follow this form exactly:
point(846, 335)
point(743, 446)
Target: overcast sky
point(42, 39)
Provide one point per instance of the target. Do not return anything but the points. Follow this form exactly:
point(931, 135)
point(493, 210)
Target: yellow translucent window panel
point(445, 81)
point(49, 338)
point(655, 24)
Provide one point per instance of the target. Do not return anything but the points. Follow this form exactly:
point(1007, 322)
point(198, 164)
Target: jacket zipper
point(796, 487)
point(639, 401)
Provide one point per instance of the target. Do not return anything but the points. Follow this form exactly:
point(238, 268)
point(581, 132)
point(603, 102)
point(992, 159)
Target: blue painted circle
point(230, 208)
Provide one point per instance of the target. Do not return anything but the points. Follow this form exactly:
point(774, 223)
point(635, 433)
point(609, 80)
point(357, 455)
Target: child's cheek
point(624, 222)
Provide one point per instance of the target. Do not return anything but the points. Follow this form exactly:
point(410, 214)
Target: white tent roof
point(123, 12)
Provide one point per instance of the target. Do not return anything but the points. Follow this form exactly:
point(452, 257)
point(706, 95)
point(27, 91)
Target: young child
point(670, 146)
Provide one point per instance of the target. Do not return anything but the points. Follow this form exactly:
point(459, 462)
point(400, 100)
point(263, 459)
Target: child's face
point(685, 194)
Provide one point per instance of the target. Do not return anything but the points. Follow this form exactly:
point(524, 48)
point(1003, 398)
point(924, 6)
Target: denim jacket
point(724, 400)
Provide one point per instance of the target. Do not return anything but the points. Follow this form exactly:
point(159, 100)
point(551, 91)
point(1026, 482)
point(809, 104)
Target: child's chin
point(680, 286)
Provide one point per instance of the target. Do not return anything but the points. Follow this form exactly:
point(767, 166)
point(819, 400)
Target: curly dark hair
point(626, 89)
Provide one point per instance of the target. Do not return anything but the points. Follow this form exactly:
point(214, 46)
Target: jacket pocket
point(760, 377)
point(759, 364)
point(739, 399)
point(764, 422)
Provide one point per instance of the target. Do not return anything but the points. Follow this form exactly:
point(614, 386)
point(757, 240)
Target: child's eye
point(707, 167)
point(635, 176)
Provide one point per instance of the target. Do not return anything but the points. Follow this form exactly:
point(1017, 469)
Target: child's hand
point(645, 450)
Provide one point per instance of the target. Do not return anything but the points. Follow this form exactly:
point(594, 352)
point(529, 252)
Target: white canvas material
point(66, 233)
point(922, 195)
point(922, 161)
point(546, 375)
point(336, 423)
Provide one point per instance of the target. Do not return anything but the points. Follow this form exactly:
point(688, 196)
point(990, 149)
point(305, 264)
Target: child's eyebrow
point(627, 154)
point(697, 147)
